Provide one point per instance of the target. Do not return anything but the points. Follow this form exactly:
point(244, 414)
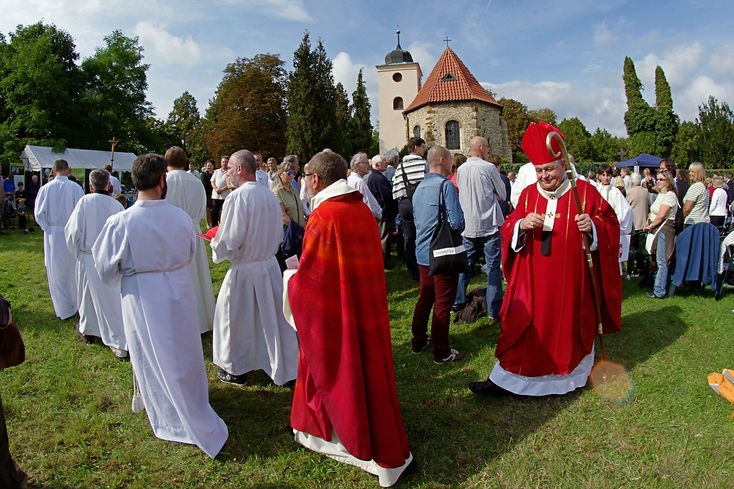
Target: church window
point(397, 103)
point(397, 77)
point(417, 131)
point(452, 135)
point(449, 77)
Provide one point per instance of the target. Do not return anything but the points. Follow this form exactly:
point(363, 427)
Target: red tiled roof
point(464, 87)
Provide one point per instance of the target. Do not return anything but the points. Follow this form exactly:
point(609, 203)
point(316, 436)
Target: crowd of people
point(305, 298)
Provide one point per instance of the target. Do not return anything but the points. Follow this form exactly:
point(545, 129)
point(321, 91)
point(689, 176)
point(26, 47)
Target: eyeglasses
point(291, 173)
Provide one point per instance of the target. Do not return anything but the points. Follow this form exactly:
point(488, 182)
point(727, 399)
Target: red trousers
point(437, 292)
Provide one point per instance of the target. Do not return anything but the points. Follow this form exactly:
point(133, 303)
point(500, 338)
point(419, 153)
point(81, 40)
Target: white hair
point(377, 160)
point(636, 179)
point(356, 159)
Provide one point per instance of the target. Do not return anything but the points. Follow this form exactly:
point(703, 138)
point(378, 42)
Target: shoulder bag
point(447, 255)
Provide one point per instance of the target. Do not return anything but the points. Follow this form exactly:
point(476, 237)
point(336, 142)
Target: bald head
point(242, 167)
point(479, 146)
point(440, 160)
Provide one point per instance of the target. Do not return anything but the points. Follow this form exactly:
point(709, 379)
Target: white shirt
point(116, 186)
point(480, 191)
point(219, 180)
point(356, 181)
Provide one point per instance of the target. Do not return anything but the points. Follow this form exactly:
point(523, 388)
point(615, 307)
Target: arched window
point(397, 103)
point(452, 135)
point(417, 131)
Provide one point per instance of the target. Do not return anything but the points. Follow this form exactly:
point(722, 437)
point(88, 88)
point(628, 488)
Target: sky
point(566, 55)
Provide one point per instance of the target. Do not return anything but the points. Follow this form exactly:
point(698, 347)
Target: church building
point(449, 110)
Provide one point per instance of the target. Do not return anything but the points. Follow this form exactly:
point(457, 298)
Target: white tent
point(37, 157)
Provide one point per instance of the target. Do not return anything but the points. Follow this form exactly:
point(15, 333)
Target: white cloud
point(722, 61)
point(345, 71)
point(697, 93)
point(285, 9)
point(168, 48)
point(595, 106)
point(680, 64)
point(602, 35)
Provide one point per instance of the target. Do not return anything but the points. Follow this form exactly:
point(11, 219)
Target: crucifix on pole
point(622, 153)
point(114, 142)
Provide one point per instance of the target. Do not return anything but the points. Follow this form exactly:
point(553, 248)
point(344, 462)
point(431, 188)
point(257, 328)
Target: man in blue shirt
point(436, 291)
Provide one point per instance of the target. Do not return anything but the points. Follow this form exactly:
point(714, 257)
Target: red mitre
point(533, 143)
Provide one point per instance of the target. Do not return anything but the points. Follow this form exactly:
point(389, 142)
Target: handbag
point(447, 255)
point(12, 348)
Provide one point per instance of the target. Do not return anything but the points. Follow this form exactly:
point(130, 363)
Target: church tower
point(398, 82)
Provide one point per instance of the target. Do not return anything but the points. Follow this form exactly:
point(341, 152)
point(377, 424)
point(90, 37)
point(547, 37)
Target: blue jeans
point(661, 277)
point(490, 245)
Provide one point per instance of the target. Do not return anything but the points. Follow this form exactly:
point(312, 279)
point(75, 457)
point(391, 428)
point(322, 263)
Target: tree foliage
point(116, 82)
point(249, 109)
point(516, 115)
point(716, 125)
point(577, 139)
point(360, 127)
point(687, 144)
point(185, 126)
point(343, 113)
point(605, 147)
point(311, 102)
point(639, 118)
point(666, 121)
point(39, 90)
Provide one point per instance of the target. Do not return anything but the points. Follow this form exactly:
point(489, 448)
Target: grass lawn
point(70, 423)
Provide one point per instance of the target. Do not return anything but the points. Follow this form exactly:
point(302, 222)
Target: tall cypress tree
point(361, 127)
point(640, 117)
point(343, 113)
point(311, 101)
point(666, 121)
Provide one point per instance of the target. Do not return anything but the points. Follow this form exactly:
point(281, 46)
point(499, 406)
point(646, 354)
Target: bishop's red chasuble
point(548, 317)
point(346, 378)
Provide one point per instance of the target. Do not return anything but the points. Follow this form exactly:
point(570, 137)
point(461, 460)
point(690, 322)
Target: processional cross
point(114, 142)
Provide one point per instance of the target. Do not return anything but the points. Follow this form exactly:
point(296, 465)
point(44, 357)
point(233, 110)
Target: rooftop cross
point(447, 41)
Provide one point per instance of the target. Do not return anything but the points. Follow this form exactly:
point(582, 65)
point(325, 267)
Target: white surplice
point(186, 192)
point(100, 306)
point(625, 216)
point(54, 204)
point(250, 331)
point(147, 250)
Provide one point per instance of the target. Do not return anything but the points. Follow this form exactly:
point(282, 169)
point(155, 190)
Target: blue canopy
point(643, 160)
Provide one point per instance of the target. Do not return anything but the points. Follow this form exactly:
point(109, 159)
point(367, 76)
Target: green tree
point(184, 123)
point(666, 121)
point(640, 117)
point(39, 90)
point(311, 102)
point(544, 114)
point(687, 145)
point(343, 112)
point(716, 122)
point(360, 127)
point(518, 119)
point(604, 146)
point(577, 138)
point(115, 94)
point(248, 109)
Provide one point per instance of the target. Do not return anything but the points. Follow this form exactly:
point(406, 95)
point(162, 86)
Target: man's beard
point(309, 192)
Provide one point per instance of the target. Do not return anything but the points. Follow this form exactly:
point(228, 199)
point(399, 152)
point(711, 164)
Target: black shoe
point(651, 295)
point(86, 338)
point(457, 308)
point(422, 346)
point(231, 379)
point(487, 388)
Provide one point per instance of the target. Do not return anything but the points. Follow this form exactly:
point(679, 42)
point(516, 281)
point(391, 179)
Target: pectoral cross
point(114, 142)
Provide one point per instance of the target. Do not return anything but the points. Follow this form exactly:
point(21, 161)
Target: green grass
point(70, 423)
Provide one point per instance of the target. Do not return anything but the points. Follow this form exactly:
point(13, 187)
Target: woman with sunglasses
point(661, 223)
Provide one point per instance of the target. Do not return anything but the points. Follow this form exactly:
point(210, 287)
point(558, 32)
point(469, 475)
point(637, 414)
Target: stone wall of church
point(474, 118)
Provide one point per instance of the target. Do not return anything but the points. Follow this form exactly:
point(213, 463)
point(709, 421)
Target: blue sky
point(566, 55)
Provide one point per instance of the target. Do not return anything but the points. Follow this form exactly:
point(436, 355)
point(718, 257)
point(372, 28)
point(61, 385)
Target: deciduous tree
point(716, 121)
point(577, 138)
point(248, 109)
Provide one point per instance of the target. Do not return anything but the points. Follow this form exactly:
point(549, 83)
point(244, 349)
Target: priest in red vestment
point(546, 345)
point(345, 404)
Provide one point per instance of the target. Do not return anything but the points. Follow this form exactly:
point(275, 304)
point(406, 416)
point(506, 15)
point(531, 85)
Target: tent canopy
point(37, 157)
point(643, 160)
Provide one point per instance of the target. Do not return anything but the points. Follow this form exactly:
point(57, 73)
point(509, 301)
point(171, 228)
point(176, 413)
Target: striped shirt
point(415, 169)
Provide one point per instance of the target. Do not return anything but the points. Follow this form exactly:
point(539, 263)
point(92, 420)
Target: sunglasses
point(291, 173)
